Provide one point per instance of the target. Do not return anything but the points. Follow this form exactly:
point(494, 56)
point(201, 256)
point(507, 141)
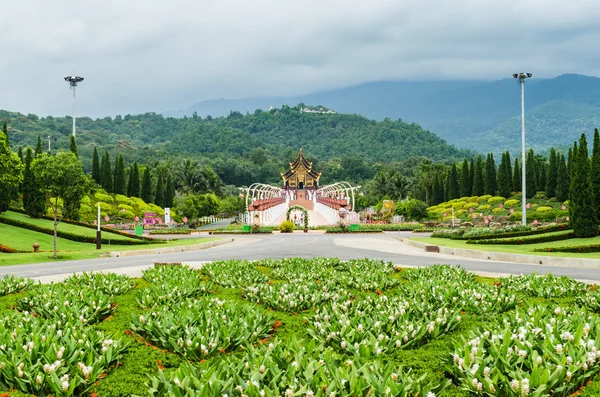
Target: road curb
point(576, 263)
point(171, 250)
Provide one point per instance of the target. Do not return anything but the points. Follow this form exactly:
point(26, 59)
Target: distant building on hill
point(320, 110)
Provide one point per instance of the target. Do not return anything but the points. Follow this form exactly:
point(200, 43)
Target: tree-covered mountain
point(241, 148)
point(484, 116)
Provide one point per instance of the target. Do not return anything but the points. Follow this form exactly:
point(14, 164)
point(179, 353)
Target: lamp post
point(73, 80)
point(49, 138)
point(521, 78)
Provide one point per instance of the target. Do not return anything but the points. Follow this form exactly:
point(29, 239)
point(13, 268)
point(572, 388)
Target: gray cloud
point(152, 55)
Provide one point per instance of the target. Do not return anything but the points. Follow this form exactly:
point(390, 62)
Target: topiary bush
point(484, 207)
point(103, 197)
point(512, 203)
point(484, 198)
point(496, 200)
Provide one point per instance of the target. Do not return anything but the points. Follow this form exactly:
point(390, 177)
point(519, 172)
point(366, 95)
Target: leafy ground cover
point(438, 331)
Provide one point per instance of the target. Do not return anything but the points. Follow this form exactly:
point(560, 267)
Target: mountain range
point(481, 115)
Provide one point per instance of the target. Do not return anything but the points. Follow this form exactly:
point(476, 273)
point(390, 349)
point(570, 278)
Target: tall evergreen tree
point(169, 192)
point(562, 180)
point(446, 185)
point(133, 187)
point(552, 174)
point(595, 172)
point(490, 175)
point(505, 176)
point(120, 183)
point(517, 181)
point(34, 199)
point(435, 192)
point(147, 186)
point(5, 131)
point(530, 174)
point(20, 154)
point(465, 183)
point(159, 193)
point(471, 174)
point(541, 175)
point(582, 210)
point(38, 147)
point(478, 188)
point(73, 147)
point(453, 187)
point(107, 175)
point(96, 173)
point(570, 158)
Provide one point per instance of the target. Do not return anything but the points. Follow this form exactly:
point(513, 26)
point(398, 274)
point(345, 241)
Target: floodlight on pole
point(73, 80)
point(521, 78)
point(49, 138)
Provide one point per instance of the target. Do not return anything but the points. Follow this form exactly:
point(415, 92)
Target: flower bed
point(12, 284)
point(172, 231)
point(344, 230)
point(525, 240)
point(234, 274)
point(171, 285)
point(540, 286)
point(575, 248)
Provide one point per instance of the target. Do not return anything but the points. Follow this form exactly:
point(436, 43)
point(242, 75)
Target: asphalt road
point(384, 247)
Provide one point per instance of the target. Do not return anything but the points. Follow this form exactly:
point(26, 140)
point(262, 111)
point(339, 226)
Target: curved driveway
point(384, 247)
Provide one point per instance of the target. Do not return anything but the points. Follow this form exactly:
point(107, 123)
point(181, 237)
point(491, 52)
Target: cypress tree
point(595, 172)
point(133, 188)
point(465, 184)
point(96, 173)
point(541, 181)
point(107, 175)
point(159, 194)
point(570, 159)
point(478, 187)
point(446, 185)
point(530, 174)
point(73, 146)
point(471, 175)
point(552, 174)
point(581, 205)
point(505, 176)
point(20, 154)
point(517, 182)
point(38, 147)
point(453, 188)
point(562, 180)
point(169, 192)
point(490, 175)
point(435, 191)
point(120, 186)
point(5, 131)
point(34, 199)
point(147, 186)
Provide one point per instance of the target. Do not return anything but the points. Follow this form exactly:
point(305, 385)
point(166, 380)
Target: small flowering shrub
point(233, 274)
point(12, 285)
point(485, 231)
point(43, 356)
point(366, 275)
point(371, 327)
point(107, 283)
point(539, 351)
point(543, 286)
point(591, 300)
point(291, 368)
point(171, 284)
point(60, 302)
point(199, 329)
point(292, 268)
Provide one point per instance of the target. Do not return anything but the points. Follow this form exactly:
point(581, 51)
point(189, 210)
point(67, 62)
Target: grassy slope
point(519, 249)
point(63, 227)
point(143, 360)
point(23, 239)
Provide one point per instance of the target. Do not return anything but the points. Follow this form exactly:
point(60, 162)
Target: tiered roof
point(301, 161)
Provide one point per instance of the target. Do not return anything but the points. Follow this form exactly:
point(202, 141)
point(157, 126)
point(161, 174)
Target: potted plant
point(36, 247)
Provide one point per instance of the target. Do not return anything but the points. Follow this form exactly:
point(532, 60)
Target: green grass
point(526, 249)
point(63, 227)
point(23, 239)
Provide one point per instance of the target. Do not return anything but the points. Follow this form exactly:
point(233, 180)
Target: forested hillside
point(241, 148)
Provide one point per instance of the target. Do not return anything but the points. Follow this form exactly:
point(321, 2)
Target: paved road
point(384, 247)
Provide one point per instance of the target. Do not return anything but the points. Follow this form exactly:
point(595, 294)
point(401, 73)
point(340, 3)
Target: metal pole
point(524, 198)
point(74, 87)
point(49, 138)
point(98, 232)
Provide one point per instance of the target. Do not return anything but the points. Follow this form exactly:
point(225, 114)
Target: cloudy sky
point(157, 55)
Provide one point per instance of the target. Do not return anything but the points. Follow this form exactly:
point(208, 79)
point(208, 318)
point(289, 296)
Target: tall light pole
point(49, 138)
point(521, 78)
point(73, 80)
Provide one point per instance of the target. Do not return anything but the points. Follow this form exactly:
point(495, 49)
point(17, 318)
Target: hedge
point(260, 231)
point(71, 236)
point(520, 241)
point(8, 250)
point(539, 230)
point(576, 248)
point(171, 231)
point(340, 230)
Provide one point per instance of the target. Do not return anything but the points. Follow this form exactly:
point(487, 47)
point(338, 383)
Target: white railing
point(272, 214)
point(331, 216)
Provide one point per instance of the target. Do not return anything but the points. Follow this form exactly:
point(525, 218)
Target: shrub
point(499, 211)
point(120, 199)
point(526, 240)
point(484, 198)
point(512, 203)
point(574, 248)
point(86, 200)
point(544, 209)
point(286, 226)
point(85, 209)
point(103, 197)
point(470, 204)
point(496, 199)
point(416, 210)
point(484, 207)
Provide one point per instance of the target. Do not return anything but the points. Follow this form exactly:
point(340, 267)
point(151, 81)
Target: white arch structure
point(339, 190)
point(261, 191)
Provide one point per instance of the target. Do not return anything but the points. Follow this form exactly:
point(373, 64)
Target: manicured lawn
point(519, 249)
point(63, 227)
point(23, 239)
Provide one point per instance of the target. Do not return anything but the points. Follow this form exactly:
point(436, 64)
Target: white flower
point(38, 380)
point(261, 369)
point(430, 394)
point(310, 393)
point(343, 344)
point(65, 385)
point(486, 371)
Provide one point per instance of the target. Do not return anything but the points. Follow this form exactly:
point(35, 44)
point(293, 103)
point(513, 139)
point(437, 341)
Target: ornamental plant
point(543, 286)
point(12, 285)
point(171, 284)
point(107, 283)
point(366, 275)
point(233, 274)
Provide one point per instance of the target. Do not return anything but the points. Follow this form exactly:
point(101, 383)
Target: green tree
point(73, 146)
point(96, 172)
point(34, 199)
point(595, 172)
point(169, 192)
point(11, 171)
point(147, 186)
point(5, 133)
point(133, 186)
point(453, 187)
point(20, 154)
point(517, 174)
point(552, 174)
point(416, 210)
point(582, 209)
point(562, 180)
point(62, 179)
point(505, 182)
point(465, 181)
point(38, 147)
point(478, 187)
point(471, 175)
point(120, 183)
point(107, 174)
point(490, 175)
point(159, 195)
point(530, 174)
